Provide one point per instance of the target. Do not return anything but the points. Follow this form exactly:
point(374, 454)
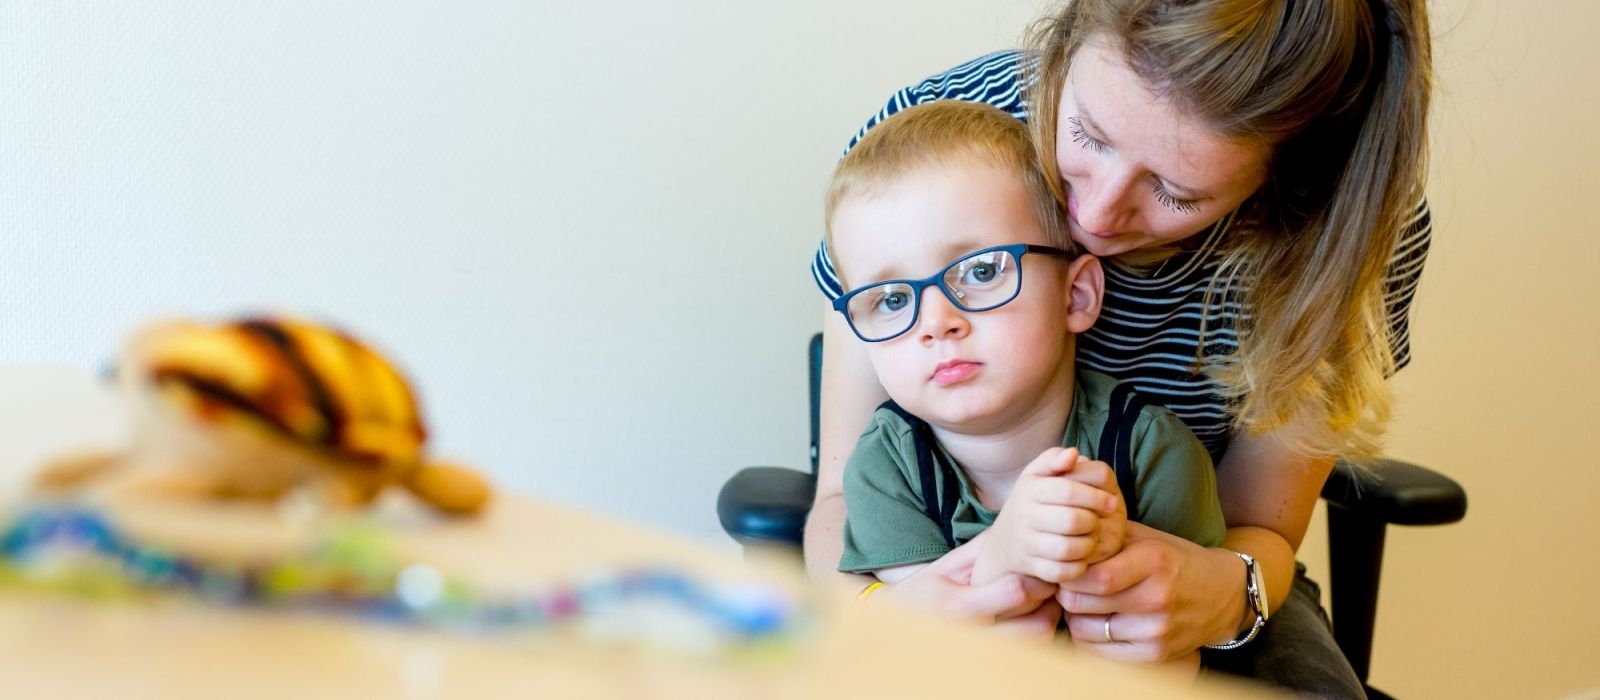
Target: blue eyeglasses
point(980, 281)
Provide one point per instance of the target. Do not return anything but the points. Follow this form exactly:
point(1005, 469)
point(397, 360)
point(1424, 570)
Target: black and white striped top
point(1149, 327)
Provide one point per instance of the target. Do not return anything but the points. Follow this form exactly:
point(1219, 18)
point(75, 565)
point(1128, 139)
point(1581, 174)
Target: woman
point(1252, 170)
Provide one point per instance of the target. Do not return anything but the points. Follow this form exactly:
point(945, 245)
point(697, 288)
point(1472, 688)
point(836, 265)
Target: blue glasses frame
point(1017, 251)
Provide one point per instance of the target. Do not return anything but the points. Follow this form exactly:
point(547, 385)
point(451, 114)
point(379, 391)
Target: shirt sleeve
point(1401, 278)
point(1177, 485)
point(994, 79)
point(885, 524)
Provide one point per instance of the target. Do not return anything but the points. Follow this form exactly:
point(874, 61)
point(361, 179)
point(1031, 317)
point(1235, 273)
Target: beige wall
point(429, 172)
point(1502, 391)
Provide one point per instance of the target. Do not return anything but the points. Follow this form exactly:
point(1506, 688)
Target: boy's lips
point(954, 372)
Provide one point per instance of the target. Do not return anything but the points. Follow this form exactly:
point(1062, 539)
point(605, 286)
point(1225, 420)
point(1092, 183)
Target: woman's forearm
point(850, 393)
point(824, 540)
point(1273, 555)
point(1268, 492)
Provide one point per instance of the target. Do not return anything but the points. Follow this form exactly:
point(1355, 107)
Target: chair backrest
point(815, 351)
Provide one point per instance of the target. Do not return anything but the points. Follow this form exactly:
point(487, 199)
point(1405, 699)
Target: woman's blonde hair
point(1340, 89)
point(947, 133)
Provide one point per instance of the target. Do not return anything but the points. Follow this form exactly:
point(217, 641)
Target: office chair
point(767, 506)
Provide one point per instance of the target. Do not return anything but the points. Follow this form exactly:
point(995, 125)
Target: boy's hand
point(1113, 528)
point(1051, 525)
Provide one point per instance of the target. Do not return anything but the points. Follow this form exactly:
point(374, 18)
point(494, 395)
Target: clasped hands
point(1063, 548)
point(1063, 514)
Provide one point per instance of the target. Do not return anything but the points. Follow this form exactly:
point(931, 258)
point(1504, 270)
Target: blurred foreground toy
point(262, 407)
point(354, 570)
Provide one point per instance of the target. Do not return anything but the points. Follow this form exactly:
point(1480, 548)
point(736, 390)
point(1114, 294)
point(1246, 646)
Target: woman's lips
point(954, 372)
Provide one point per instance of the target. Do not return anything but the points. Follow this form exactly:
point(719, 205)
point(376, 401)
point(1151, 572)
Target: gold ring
point(1109, 640)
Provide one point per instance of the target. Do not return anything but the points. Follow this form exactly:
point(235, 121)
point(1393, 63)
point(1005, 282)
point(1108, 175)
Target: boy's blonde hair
point(945, 134)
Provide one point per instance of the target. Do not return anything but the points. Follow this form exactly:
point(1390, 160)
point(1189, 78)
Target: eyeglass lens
point(977, 282)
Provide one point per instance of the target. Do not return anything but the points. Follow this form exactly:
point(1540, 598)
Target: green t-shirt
point(886, 524)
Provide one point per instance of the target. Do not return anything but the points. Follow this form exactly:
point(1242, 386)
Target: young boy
point(968, 300)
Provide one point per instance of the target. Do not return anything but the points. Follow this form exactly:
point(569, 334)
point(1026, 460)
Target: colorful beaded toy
point(352, 572)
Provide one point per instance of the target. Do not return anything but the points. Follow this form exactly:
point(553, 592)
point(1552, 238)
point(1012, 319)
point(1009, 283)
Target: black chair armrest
point(766, 505)
point(1391, 491)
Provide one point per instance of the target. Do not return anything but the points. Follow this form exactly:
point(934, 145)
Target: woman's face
point(1137, 171)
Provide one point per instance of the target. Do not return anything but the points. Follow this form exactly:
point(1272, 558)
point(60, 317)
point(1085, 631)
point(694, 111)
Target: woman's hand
point(1166, 597)
point(1018, 605)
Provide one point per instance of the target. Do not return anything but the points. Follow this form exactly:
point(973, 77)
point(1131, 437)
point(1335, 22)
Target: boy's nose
point(940, 319)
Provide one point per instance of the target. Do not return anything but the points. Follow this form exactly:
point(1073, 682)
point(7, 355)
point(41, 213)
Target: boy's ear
point(1086, 286)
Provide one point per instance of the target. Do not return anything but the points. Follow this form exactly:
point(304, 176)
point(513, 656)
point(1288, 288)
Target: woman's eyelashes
point(1182, 206)
point(1082, 137)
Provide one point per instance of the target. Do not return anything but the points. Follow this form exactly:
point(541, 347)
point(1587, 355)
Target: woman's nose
point(940, 319)
point(1103, 203)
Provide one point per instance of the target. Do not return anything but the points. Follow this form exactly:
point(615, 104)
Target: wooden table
point(52, 646)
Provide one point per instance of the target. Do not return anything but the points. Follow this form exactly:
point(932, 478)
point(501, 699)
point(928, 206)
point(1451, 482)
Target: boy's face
point(964, 371)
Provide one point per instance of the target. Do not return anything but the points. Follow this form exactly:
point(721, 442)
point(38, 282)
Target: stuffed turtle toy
point(258, 408)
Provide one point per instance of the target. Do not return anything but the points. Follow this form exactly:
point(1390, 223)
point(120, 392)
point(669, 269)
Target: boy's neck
point(992, 461)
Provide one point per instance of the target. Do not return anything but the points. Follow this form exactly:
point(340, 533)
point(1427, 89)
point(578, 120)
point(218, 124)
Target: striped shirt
point(1149, 329)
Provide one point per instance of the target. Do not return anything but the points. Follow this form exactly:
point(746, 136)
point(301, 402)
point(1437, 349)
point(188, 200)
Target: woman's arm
point(850, 394)
point(1268, 492)
point(1170, 596)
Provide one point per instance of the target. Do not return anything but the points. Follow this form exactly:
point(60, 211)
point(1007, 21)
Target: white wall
point(584, 230)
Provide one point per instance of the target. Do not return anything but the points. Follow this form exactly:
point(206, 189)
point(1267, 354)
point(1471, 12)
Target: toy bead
point(152, 568)
point(26, 533)
point(220, 585)
point(561, 604)
point(93, 531)
point(756, 614)
point(661, 583)
point(526, 610)
point(419, 586)
point(598, 590)
point(14, 543)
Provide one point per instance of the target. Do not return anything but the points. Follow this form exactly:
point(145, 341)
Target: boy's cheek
point(897, 372)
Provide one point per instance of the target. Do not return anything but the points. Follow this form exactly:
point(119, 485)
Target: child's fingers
point(1063, 520)
point(1095, 473)
point(1068, 492)
point(1053, 571)
point(1052, 462)
point(1058, 548)
point(1111, 536)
